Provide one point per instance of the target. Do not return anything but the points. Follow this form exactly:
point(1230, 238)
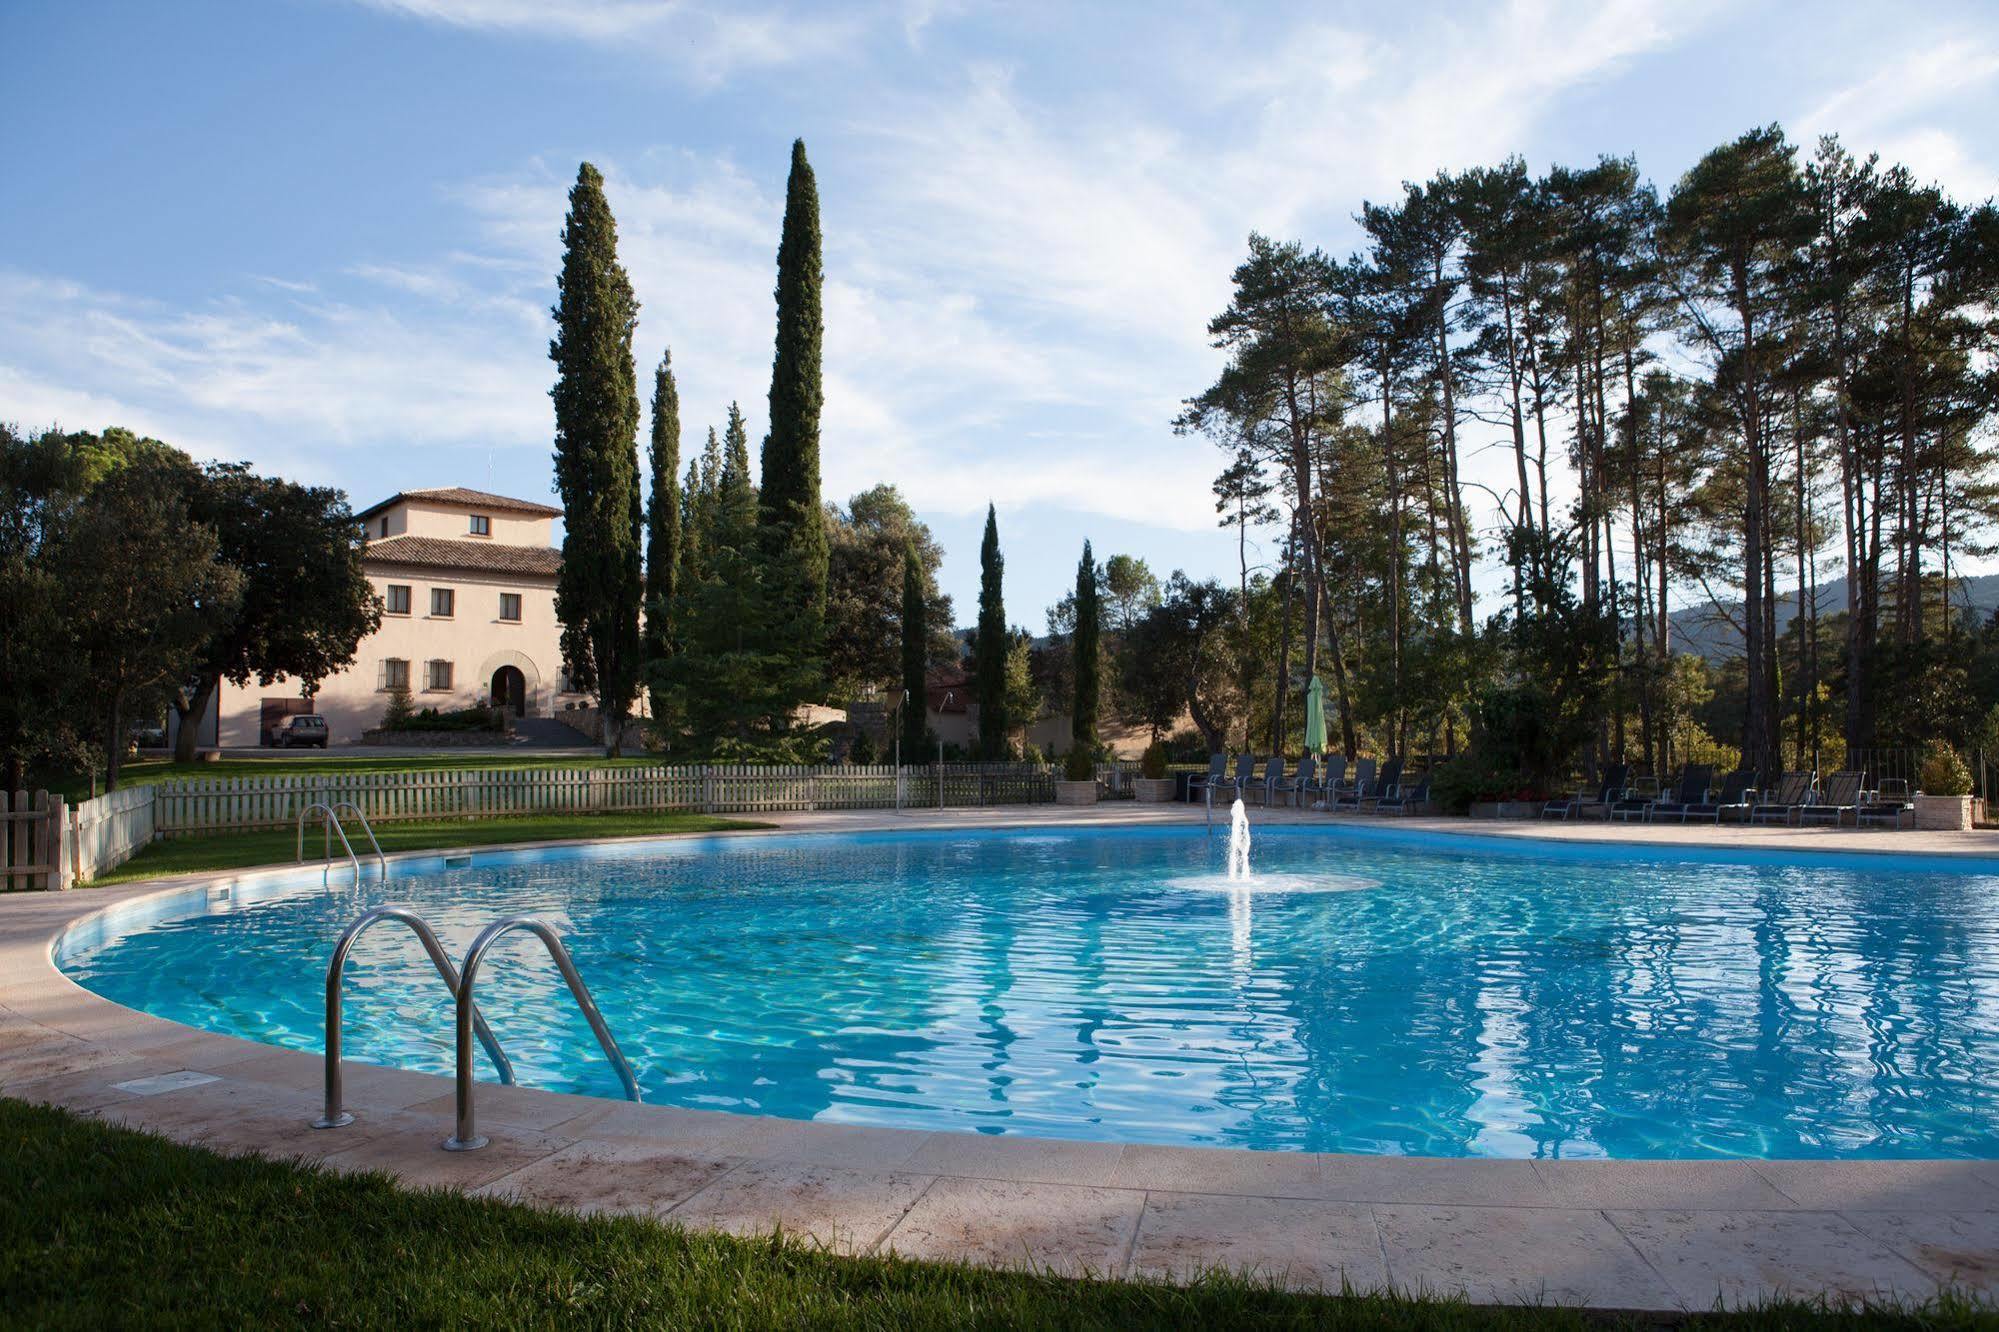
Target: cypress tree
point(992, 646)
point(663, 531)
point(596, 458)
point(1083, 713)
point(915, 639)
point(793, 518)
point(736, 494)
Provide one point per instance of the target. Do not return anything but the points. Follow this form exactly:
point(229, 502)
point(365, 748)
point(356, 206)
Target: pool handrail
point(465, 1137)
point(336, 1114)
point(331, 830)
point(381, 861)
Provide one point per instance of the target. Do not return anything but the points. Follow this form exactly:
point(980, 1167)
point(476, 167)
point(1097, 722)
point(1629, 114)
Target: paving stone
point(410, 1148)
point(1542, 1255)
point(1958, 1249)
point(853, 1146)
point(1066, 1229)
point(1305, 1244)
point(846, 1211)
point(987, 1156)
point(1211, 1170)
point(1884, 1186)
point(1691, 1185)
point(1406, 1179)
point(621, 1177)
point(1744, 1258)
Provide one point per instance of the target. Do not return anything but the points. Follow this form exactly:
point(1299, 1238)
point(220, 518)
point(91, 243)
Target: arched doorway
point(510, 690)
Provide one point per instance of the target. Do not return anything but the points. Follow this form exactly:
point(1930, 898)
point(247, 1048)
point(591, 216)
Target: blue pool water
point(1410, 994)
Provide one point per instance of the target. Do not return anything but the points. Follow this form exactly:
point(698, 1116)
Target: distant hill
point(1705, 630)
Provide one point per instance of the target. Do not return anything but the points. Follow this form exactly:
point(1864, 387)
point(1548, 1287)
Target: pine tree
point(1084, 646)
point(794, 522)
point(915, 651)
point(991, 647)
point(596, 458)
point(663, 529)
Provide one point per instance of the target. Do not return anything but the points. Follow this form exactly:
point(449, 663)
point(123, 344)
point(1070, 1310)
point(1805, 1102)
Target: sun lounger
point(1738, 792)
point(1335, 781)
point(1838, 797)
point(1302, 783)
point(1793, 792)
point(1363, 788)
point(1407, 799)
point(1599, 797)
point(1889, 805)
point(1202, 785)
point(1691, 792)
point(1636, 802)
point(1390, 783)
point(1273, 777)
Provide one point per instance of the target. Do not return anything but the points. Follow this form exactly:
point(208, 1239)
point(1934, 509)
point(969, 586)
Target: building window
point(385, 524)
point(510, 606)
point(395, 673)
point(399, 598)
point(437, 676)
point(481, 525)
point(443, 601)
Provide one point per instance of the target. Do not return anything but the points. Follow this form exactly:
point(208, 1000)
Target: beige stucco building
point(467, 582)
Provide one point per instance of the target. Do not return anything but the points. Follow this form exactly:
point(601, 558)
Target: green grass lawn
point(105, 1227)
point(185, 855)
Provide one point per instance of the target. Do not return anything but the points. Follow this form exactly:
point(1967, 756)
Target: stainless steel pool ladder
point(336, 1114)
point(466, 1137)
point(469, 1020)
point(332, 829)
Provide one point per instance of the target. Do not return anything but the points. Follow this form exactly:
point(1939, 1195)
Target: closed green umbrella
point(1315, 717)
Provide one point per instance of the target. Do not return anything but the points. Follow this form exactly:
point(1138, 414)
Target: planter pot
point(1153, 790)
point(1075, 793)
point(1943, 813)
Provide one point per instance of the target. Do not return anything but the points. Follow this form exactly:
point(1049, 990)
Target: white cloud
point(1908, 108)
point(707, 42)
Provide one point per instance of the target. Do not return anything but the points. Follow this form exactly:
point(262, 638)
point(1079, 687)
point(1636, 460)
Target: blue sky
point(322, 234)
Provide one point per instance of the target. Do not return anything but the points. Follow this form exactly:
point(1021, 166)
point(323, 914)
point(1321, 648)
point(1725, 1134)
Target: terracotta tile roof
point(470, 499)
point(477, 556)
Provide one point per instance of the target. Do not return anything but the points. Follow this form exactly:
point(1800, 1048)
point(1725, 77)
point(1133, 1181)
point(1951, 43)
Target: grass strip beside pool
point(188, 855)
point(106, 1227)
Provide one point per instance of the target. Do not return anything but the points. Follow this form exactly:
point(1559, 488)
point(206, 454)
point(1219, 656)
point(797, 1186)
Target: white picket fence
point(207, 805)
point(46, 843)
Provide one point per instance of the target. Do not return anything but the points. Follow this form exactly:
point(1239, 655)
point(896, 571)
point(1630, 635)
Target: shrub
point(1080, 765)
point(1153, 763)
point(398, 715)
point(430, 719)
point(1477, 774)
point(1943, 773)
point(863, 750)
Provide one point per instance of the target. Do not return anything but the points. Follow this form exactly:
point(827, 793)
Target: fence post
point(62, 866)
point(707, 788)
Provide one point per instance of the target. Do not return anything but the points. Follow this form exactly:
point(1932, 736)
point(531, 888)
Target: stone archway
point(510, 690)
point(513, 681)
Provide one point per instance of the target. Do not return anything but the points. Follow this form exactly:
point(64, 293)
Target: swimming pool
point(1404, 993)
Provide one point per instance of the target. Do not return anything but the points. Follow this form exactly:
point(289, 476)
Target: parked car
point(304, 730)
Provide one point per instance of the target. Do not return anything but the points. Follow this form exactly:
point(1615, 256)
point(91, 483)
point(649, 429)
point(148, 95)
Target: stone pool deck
point(1634, 1235)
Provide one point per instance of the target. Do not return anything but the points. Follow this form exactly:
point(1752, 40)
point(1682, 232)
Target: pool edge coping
point(96, 1033)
